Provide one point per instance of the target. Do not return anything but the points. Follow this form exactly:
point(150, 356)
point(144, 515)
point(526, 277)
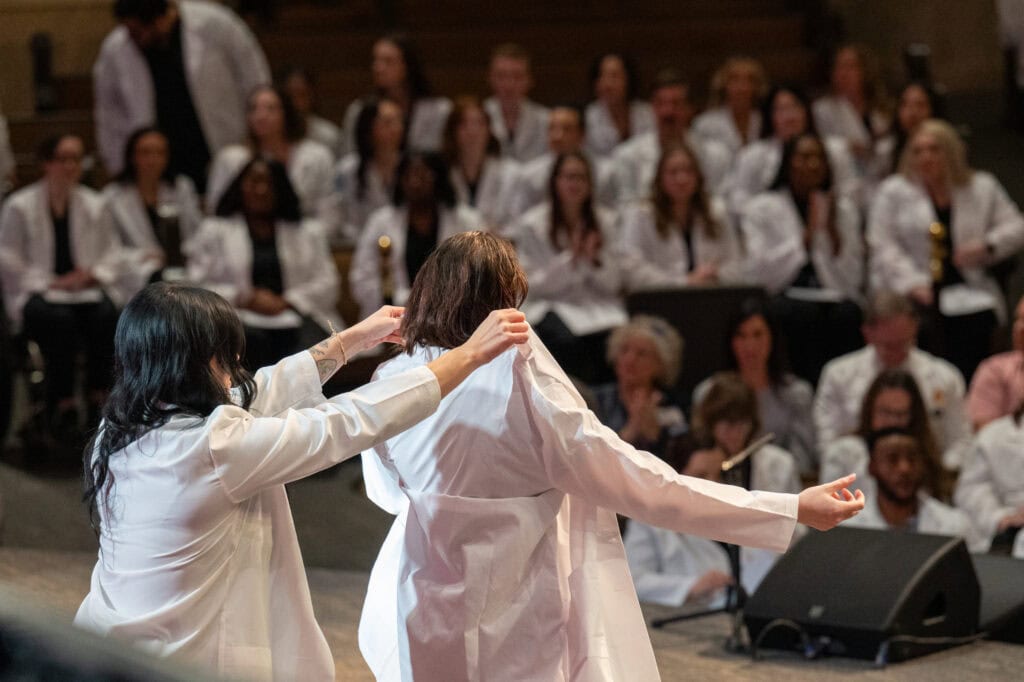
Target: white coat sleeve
point(291, 383)
point(1005, 229)
point(19, 273)
point(774, 251)
point(645, 565)
point(891, 266)
point(208, 264)
point(364, 272)
point(976, 492)
point(110, 115)
point(315, 289)
point(227, 163)
point(248, 62)
point(583, 457)
point(252, 453)
point(828, 408)
point(847, 268)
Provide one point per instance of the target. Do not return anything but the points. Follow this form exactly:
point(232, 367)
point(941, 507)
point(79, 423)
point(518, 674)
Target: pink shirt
point(997, 388)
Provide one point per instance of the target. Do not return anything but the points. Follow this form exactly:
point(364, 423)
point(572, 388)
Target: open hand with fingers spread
point(826, 506)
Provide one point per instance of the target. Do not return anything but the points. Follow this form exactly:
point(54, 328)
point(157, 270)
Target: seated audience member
point(299, 86)
point(482, 179)
point(398, 76)
point(574, 269)
point(733, 116)
point(184, 67)
point(890, 331)
point(997, 388)
point(903, 472)
point(617, 113)
point(804, 246)
point(676, 569)
point(635, 160)
point(645, 354)
point(991, 486)
point(933, 229)
point(153, 213)
point(680, 235)
point(60, 266)
point(565, 136)
point(364, 180)
point(398, 238)
point(276, 131)
point(756, 354)
point(916, 102)
point(892, 400)
point(519, 123)
point(786, 113)
point(268, 261)
point(857, 108)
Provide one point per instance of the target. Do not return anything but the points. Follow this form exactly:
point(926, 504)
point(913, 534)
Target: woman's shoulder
point(311, 151)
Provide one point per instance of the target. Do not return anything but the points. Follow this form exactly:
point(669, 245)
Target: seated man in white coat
point(505, 560)
point(519, 123)
point(185, 67)
point(902, 477)
point(890, 330)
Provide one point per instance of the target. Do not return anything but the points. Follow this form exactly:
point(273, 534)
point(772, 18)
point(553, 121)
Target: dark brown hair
point(464, 279)
point(700, 204)
point(460, 107)
point(727, 399)
point(558, 225)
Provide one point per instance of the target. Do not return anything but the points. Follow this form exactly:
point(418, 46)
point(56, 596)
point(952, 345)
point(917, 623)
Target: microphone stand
point(735, 596)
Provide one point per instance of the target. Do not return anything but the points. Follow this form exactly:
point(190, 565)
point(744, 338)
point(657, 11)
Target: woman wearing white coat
point(152, 213)
point(617, 112)
point(269, 262)
point(482, 179)
point(681, 236)
point(734, 117)
point(505, 561)
point(804, 246)
point(933, 229)
point(61, 268)
point(424, 214)
point(276, 131)
point(222, 63)
point(575, 268)
point(198, 557)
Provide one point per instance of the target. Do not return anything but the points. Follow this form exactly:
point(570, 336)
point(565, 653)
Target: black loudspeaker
point(1002, 597)
point(881, 595)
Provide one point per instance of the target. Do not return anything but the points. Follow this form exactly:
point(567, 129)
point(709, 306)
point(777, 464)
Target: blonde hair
point(663, 335)
point(732, 64)
point(953, 150)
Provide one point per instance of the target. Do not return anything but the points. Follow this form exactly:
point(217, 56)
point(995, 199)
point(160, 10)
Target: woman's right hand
point(826, 506)
point(497, 333)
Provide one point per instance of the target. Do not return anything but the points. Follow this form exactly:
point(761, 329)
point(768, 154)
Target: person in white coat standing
point(153, 213)
point(186, 67)
point(61, 268)
point(198, 556)
point(273, 265)
point(804, 246)
point(505, 561)
point(933, 230)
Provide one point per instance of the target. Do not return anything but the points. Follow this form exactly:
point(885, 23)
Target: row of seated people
point(894, 445)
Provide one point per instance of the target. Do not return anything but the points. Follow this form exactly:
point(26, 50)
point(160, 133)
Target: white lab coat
point(660, 262)
point(505, 561)
point(223, 64)
point(901, 246)
point(845, 380)
point(718, 124)
point(393, 222)
point(586, 297)
point(834, 115)
point(220, 259)
point(665, 564)
point(601, 134)
point(991, 484)
point(310, 169)
point(198, 556)
point(773, 233)
point(494, 191)
point(27, 248)
point(636, 160)
point(531, 135)
point(757, 165)
point(531, 184)
point(424, 132)
point(350, 211)
point(321, 130)
point(124, 209)
point(933, 518)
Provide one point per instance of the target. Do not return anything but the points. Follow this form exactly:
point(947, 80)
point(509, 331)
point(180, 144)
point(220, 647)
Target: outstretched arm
point(826, 506)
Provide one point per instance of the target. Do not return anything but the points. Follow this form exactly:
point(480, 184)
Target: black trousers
point(582, 357)
point(815, 332)
point(63, 330)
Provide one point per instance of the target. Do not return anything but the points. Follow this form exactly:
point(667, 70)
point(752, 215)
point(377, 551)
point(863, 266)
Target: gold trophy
point(937, 235)
point(387, 283)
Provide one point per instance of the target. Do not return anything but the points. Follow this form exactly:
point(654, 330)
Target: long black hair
point(365, 147)
point(444, 191)
point(768, 109)
point(166, 338)
point(287, 205)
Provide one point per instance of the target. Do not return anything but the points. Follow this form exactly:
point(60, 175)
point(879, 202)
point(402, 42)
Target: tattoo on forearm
point(320, 349)
point(326, 368)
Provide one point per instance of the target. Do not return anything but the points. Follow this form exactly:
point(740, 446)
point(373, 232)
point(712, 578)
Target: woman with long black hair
point(185, 478)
